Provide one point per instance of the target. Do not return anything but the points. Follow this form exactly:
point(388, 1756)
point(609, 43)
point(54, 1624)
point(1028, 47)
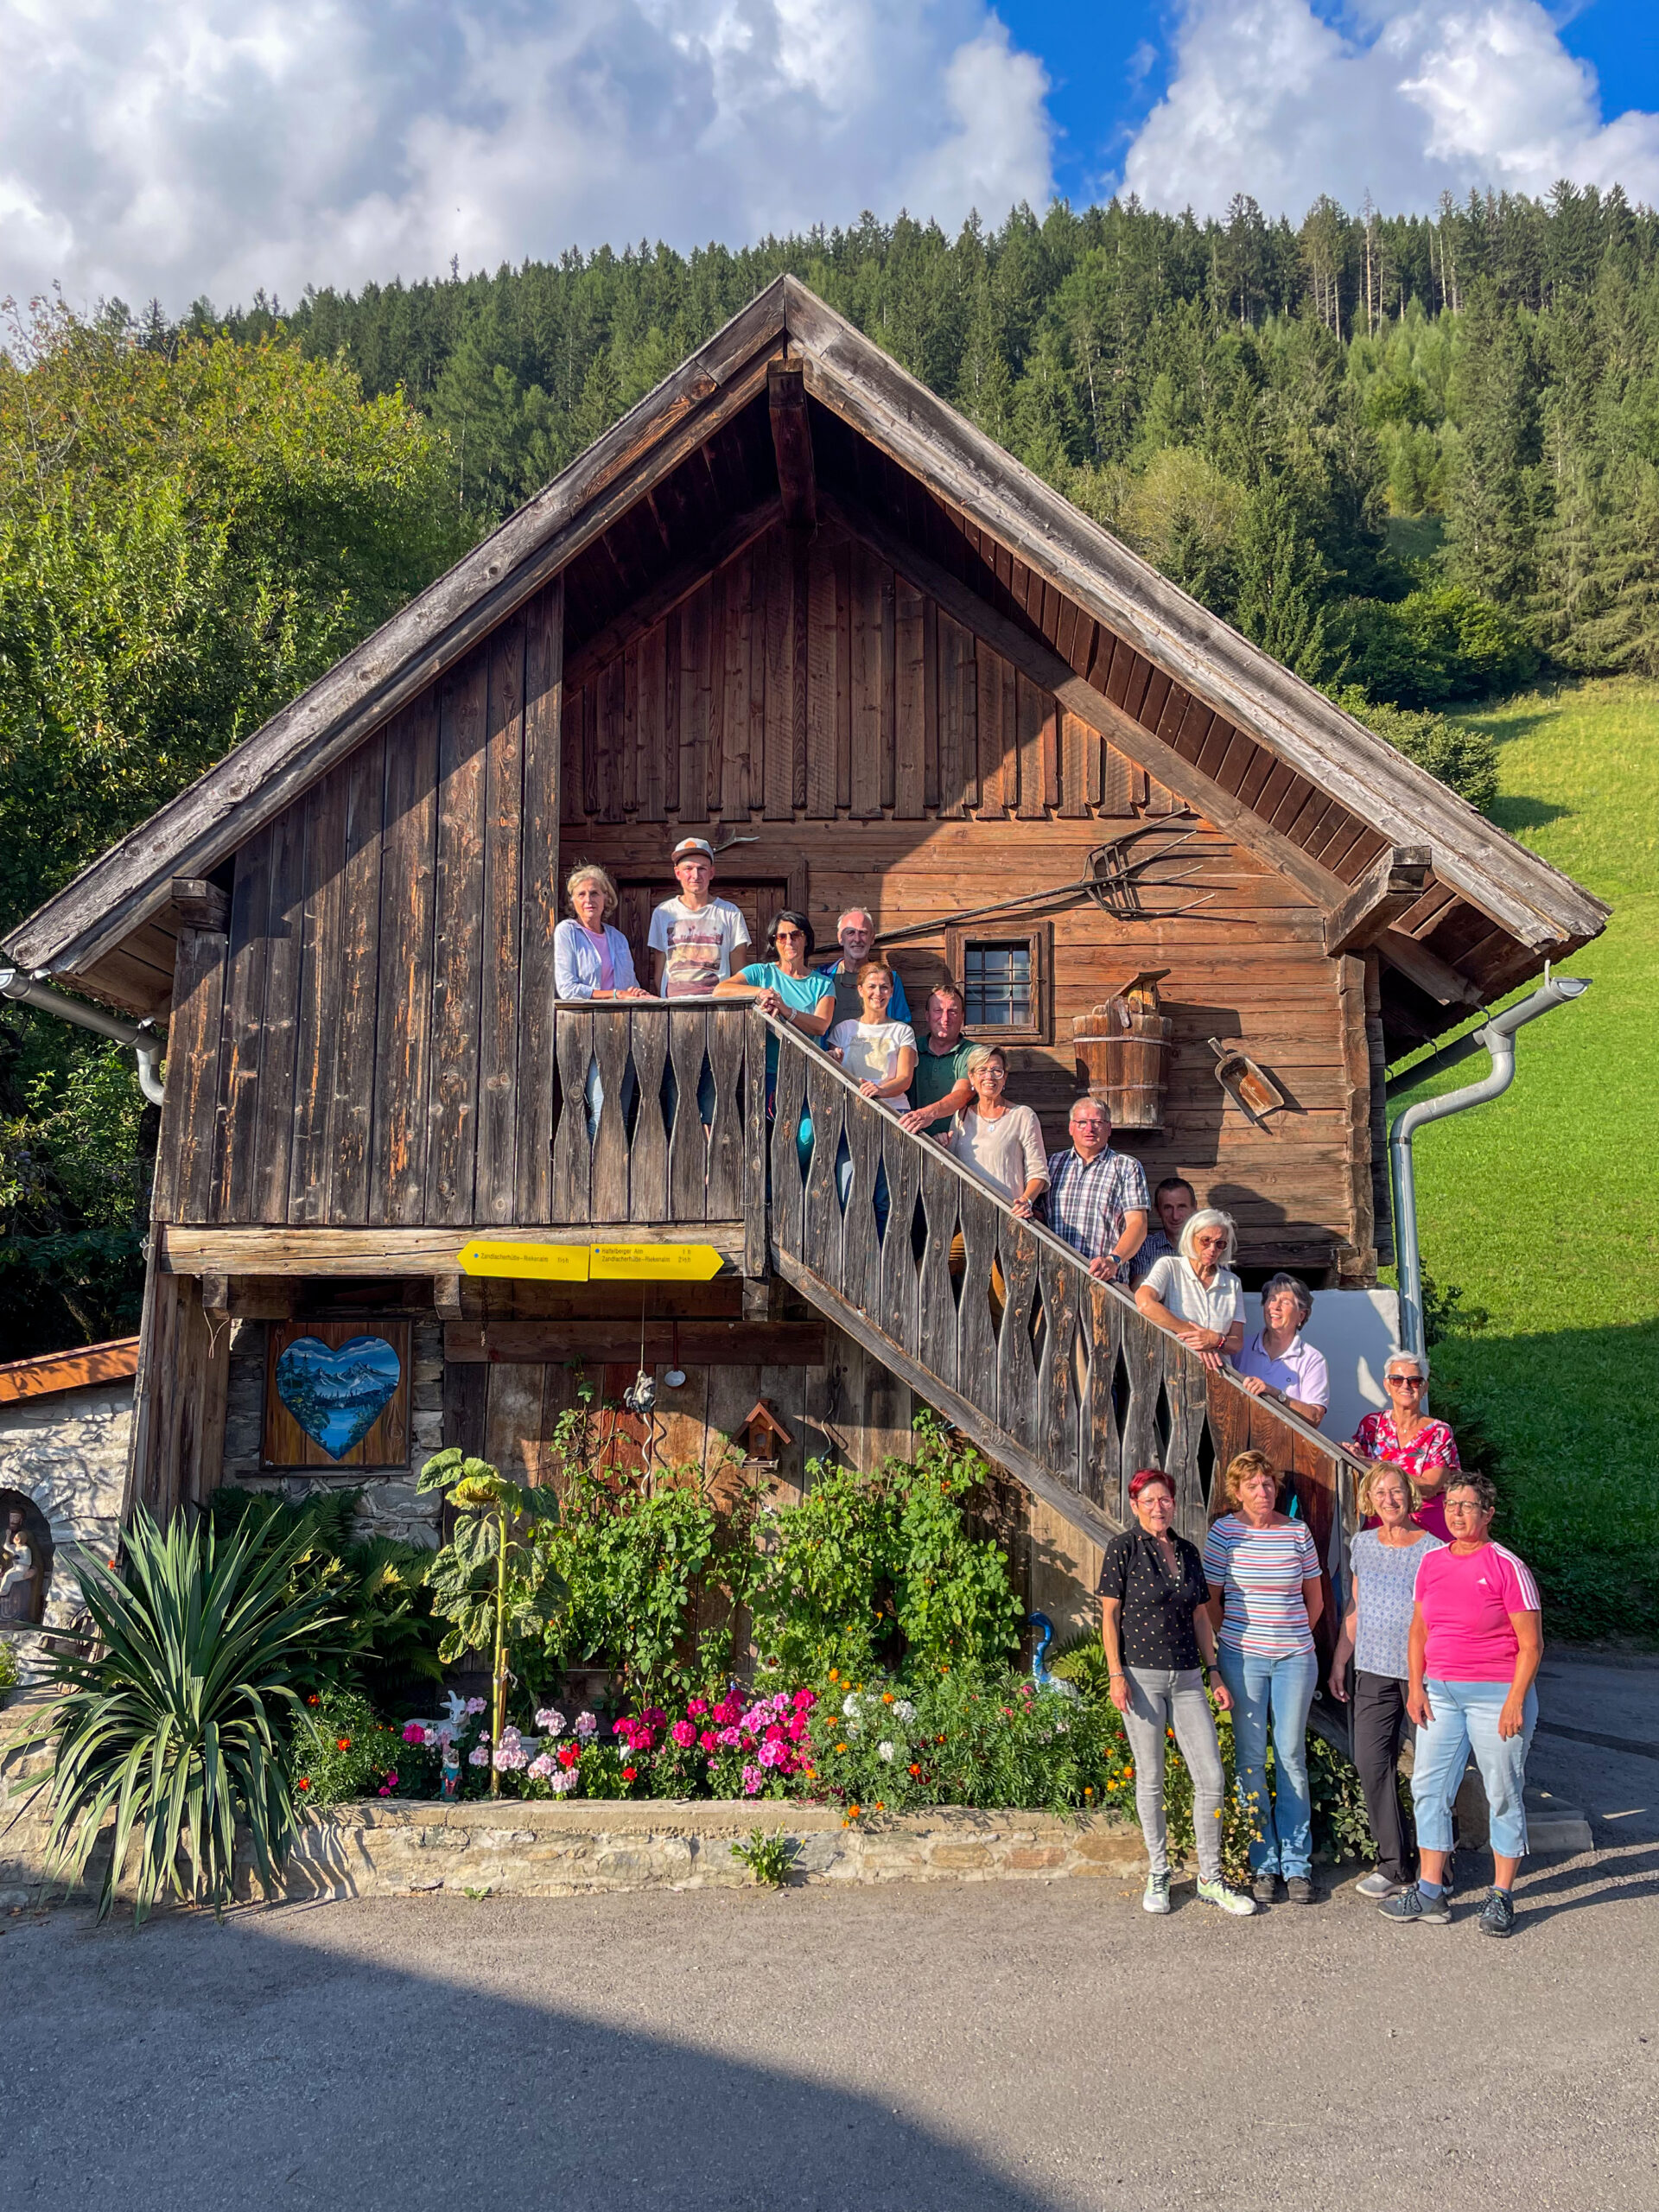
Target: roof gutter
point(140, 1037)
point(1497, 1037)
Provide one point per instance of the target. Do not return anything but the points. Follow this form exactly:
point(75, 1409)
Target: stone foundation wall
point(67, 1452)
point(394, 1848)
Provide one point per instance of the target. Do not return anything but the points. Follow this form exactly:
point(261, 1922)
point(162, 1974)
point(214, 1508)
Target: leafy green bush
point(340, 1750)
point(1439, 643)
point(7, 1669)
point(869, 1570)
point(374, 1586)
point(177, 1723)
point(1465, 760)
point(652, 1568)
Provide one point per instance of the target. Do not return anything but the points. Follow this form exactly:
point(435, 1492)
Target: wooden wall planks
point(386, 1049)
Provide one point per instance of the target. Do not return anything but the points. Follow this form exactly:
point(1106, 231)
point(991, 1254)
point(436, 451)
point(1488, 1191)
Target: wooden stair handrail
point(1229, 1407)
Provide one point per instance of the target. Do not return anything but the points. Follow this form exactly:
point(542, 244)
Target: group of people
point(1441, 1634)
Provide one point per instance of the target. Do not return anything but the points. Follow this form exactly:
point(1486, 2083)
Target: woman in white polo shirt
point(1278, 1362)
point(1193, 1293)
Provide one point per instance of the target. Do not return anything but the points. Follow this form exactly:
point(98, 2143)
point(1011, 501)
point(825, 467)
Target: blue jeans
point(1464, 1718)
point(1281, 1690)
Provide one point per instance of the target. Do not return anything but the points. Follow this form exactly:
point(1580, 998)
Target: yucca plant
point(490, 1580)
point(177, 1722)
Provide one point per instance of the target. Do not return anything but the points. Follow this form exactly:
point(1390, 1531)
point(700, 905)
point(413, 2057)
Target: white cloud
point(177, 147)
point(1268, 98)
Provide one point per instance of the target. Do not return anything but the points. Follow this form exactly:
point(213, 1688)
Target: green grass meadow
point(1544, 1206)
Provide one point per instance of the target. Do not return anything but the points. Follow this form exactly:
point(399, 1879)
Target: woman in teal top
point(782, 985)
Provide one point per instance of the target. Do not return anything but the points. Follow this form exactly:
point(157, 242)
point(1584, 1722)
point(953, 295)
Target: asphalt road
point(1006, 2047)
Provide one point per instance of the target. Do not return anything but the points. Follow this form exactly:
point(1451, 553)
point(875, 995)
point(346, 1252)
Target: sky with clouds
point(173, 148)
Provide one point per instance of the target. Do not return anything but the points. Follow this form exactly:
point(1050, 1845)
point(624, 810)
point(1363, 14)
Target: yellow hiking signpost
point(592, 1263)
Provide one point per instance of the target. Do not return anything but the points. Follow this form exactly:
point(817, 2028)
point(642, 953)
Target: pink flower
point(551, 1718)
point(753, 1781)
point(774, 1733)
point(476, 1704)
point(587, 1724)
point(543, 1768)
point(696, 1707)
point(622, 1728)
point(684, 1734)
point(654, 1716)
point(414, 1733)
point(708, 1741)
point(727, 1712)
point(796, 1731)
point(392, 1781)
point(563, 1781)
point(804, 1701)
point(478, 1756)
point(731, 1737)
point(385, 1793)
point(772, 1753)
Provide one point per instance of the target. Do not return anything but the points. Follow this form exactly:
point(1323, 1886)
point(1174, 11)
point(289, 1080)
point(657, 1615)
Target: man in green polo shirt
point(940, 1085)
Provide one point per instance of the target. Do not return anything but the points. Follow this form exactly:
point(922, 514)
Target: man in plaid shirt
point(1097, 1197)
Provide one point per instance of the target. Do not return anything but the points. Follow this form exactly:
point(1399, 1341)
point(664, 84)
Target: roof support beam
point(1392, 882)
point(1426, 969)
point(792, 441)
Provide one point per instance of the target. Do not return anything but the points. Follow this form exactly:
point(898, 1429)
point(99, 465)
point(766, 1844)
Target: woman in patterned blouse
point(1406, 1437)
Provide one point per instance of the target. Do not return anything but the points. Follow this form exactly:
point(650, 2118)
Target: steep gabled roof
point(1541, 909)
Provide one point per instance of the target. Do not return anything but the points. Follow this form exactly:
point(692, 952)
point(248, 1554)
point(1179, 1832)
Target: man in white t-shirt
point(693, 938)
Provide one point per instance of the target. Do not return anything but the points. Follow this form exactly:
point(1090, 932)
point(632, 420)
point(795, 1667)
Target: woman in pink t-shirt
point(1476, 1640)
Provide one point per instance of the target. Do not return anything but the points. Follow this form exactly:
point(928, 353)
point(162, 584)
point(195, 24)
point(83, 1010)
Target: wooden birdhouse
point(764, 1436)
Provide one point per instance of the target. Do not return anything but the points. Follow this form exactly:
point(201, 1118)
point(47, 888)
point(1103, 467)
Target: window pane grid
point(996, 984)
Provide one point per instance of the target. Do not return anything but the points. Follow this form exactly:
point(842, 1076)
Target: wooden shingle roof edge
point(1522, 894)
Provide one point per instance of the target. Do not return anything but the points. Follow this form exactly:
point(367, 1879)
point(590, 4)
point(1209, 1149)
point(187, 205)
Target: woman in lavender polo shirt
point(1278, 1362)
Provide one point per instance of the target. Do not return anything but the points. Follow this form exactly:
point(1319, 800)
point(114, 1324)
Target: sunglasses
point(784, 936)
point(1405, 1381)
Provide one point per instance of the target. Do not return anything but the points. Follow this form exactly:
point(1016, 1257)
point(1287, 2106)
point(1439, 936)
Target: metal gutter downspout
point(1498, 1039)
point(140, 1039)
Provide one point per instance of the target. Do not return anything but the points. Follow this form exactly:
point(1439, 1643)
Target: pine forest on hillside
point(1415, 458)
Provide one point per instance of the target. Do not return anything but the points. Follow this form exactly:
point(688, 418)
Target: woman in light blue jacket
point(591, 959)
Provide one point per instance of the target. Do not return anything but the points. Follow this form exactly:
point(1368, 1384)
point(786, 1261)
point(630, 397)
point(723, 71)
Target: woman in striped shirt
point(1265, 1596)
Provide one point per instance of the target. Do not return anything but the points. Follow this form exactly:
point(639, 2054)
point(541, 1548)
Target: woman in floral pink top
point(1407, 1437)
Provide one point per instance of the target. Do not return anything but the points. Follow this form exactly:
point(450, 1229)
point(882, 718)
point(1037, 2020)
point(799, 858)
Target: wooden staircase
point(1060, 1379)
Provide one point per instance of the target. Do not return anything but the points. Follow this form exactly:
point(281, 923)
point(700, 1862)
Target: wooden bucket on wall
point(1123, 1049)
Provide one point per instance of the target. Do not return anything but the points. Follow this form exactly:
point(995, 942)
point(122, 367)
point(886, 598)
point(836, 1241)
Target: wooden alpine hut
point(791, 602)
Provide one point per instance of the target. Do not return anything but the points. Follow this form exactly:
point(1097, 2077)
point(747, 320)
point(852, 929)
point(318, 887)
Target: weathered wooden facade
point(795, 604)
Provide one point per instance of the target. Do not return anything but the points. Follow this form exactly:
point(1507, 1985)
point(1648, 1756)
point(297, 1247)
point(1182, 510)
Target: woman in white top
point(1194, 1292)
point(591, 960)
point(1375, 1633)
point(1001, 1144)
point(879, 1054)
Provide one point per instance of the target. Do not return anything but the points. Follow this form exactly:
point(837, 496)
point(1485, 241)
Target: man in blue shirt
point(856, 931)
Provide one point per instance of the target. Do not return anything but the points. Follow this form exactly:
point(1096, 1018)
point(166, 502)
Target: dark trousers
point(1380, 1725)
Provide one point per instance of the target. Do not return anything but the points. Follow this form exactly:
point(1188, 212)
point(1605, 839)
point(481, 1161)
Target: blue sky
point(184, 147)
point(1108, 64)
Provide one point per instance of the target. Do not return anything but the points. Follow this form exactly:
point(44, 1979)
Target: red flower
point(305, 1781)
point(344, 1744)
point(569, 1755)
point(630, 1774)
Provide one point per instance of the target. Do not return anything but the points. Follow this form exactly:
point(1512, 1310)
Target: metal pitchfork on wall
point(1115, 882)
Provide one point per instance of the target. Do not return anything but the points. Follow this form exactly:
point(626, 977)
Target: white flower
point(885, 1751)
point(562, 1780)
point(904, 1711)
point(551, 1718)
point(1062, 1728)
point(850, 1706)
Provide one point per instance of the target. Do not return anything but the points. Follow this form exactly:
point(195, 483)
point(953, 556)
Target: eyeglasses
point(788, 935)
point(1405, 1381)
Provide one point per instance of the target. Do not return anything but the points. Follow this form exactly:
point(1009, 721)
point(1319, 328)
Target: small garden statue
point(1039, 1673)
point(450, 1785)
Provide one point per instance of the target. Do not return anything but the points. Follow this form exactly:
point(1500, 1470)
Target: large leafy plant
point(177, 1722)
point(492, 1582)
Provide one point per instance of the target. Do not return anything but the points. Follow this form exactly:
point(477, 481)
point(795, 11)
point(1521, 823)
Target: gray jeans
point(1160, 1698)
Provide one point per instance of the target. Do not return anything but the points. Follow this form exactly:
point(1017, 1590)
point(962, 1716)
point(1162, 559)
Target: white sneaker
point(1157, 1894)
point(1378, 1885)
point(1233, 1901)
